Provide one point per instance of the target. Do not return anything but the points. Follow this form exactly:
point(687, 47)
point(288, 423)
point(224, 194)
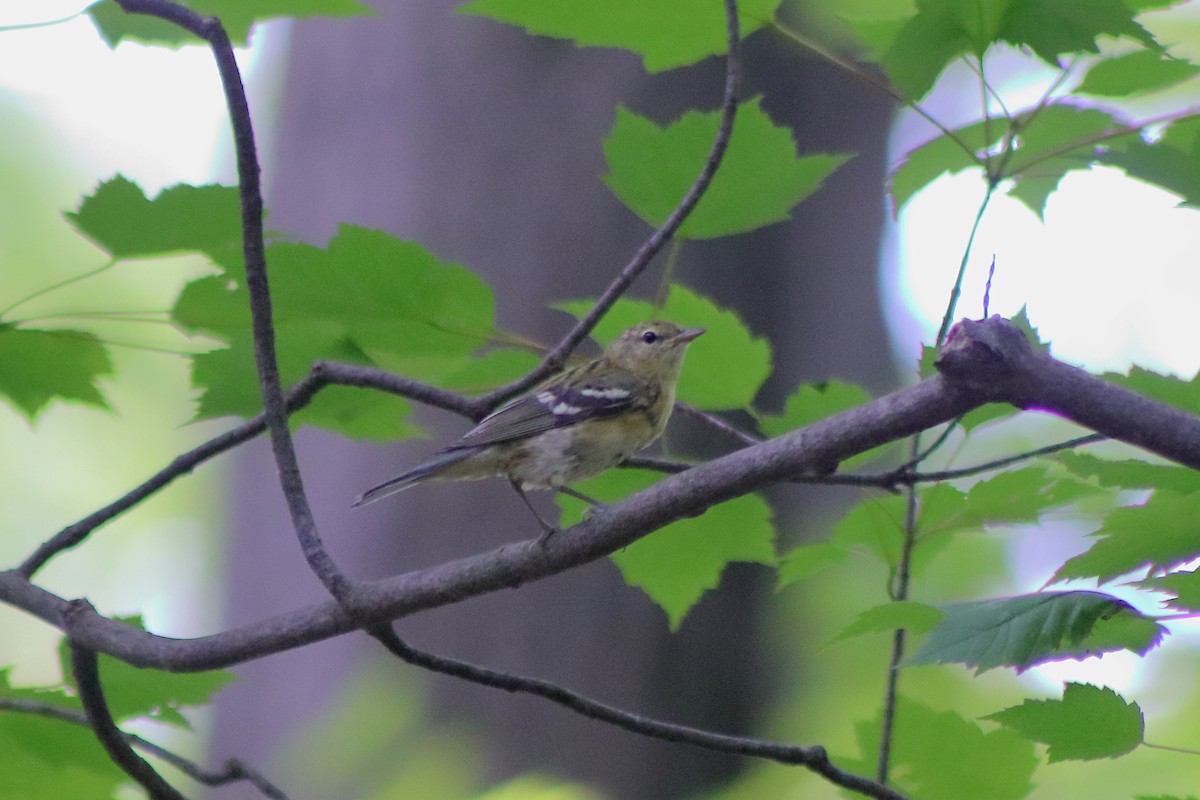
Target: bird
point(573, 426)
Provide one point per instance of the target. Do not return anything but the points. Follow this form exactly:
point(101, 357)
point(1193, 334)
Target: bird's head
point(652, 349)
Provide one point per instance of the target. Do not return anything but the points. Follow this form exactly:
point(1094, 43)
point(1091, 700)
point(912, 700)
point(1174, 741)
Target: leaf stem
point(664, 284)
point(1104, 136)
point(54, 286)
point(1185, 750)
point(983, 101)
point(147, 348)
point(988, 88)
point(25, 26)
point(106, 316)
point(1063, 73)
point(858, 72)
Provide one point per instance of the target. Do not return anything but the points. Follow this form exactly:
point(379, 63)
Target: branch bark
point(812, 757)
point(988, 361)
point(818, 447)
point(86, 669)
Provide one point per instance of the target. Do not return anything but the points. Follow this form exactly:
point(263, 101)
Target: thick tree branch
point(818, 447)
point(235, 771)
point(986, 361)
point(983, 362)
point(813, 757)
point(994, 358)
point(556, 358)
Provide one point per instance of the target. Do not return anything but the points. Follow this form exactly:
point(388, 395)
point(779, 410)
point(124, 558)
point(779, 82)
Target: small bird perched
point(575, 425)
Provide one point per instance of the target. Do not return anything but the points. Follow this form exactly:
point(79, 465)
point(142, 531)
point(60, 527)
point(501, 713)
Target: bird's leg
point(548, 529)
point(591, 501)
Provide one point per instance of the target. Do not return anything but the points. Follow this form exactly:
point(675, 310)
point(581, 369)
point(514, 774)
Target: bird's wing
point(557, 405)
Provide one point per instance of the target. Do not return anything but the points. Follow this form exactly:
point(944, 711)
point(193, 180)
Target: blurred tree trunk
point(483, 144)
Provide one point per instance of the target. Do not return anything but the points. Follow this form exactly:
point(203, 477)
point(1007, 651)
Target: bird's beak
point(687, 334)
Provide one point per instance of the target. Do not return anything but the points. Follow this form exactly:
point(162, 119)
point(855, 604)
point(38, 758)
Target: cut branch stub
point(994, 361)
point(981, 356)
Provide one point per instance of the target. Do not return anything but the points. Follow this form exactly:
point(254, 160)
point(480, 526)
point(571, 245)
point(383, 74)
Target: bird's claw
point(592, 510)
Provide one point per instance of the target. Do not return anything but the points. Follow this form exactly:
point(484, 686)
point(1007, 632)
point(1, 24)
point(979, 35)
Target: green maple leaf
point(1030, 629)
point(1089, 722)
point(38, 366)
point(665, 33)
point(761, 177)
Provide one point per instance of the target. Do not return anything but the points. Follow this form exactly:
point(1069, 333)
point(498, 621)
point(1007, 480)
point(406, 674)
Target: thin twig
point(322, 374)
point(554, 360)
point(73, 535)
point(334, 372)
point(893, 480)
point(85, 668)
point(718, 423)
point(663, 465)
point(235, 770)
point(1024, 120)
point(888, 482)
point(956, 290)
point(813, 757)
point(988, 466)
point(915, 460)
point(898, 592)
point(262, 324)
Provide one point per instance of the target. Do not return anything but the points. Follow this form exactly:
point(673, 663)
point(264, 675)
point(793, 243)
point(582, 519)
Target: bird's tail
point(430, 469)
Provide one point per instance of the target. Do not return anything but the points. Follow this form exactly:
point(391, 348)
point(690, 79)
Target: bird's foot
point(593, 509)
point(547, 532)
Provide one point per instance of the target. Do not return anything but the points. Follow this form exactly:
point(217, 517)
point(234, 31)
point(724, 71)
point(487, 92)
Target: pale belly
point(553, 462)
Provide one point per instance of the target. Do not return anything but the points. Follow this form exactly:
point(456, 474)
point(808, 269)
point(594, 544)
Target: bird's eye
point(649, 337)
